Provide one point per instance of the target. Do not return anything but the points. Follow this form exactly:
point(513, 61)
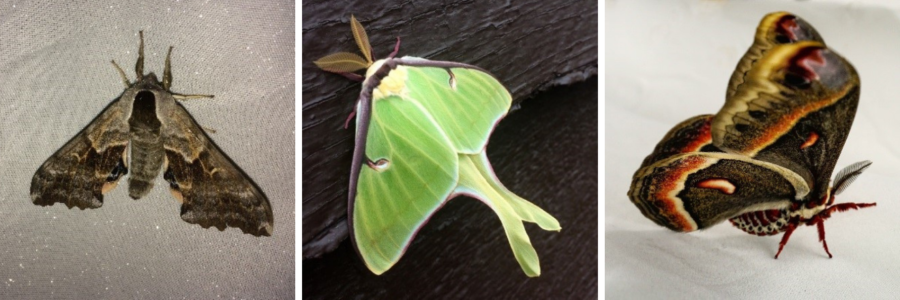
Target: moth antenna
point(139, 65)
point(846, 176)
point(121, 73)
point(396, 49)
point(167, 73)
point(188, 97)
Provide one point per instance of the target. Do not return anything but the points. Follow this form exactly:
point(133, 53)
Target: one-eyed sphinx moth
point(143, 132)
point(421, 132)
point(764, 161)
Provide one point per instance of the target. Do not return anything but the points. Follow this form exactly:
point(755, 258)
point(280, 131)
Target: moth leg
point(396, 49)
point(820, 224)
point(121, 73)
point(188, 97)
point(845, 207)
point(351, 76)
point(350, 117)
point(820, 218)
point(787, 235)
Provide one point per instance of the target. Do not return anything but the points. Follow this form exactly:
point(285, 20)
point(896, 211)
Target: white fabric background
point(55, 77)
point(671, 60)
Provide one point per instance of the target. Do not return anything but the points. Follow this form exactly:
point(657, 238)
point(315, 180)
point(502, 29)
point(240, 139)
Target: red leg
point(821, 225)
point(848, 206)
point(787, 235)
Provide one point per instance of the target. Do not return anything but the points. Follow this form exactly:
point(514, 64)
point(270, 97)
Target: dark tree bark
point(545, 152)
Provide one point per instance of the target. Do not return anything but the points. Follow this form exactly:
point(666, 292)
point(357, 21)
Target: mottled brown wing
point(795, 110)
point(89, 165)
point(212, 189)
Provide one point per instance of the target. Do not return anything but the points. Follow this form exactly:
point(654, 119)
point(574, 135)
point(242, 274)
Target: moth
point(421, 131)
point(145, 132)
point(764, 161)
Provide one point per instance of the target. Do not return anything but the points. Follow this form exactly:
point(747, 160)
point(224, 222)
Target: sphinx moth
point(764, 161)
point(143, 132)
point(421, 132)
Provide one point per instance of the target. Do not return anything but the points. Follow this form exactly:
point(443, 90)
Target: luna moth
point(421, 131)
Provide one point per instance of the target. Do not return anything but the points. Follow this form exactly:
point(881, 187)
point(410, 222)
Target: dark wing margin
point(693, 191)
point(88, 165)
point(212, 189)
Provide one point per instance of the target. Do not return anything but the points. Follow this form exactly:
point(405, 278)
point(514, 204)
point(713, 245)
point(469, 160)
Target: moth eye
point(117, 172)
point(796, 81)
point(170, 178)
point(741, 127)
point(758, 114)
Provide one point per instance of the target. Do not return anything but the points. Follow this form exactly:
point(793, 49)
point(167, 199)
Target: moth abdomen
point(762, 222)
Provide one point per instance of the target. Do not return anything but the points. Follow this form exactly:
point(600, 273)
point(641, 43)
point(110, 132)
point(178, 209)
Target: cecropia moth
point(764, 161)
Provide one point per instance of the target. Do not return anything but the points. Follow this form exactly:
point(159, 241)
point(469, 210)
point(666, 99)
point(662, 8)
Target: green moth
point(421, 132)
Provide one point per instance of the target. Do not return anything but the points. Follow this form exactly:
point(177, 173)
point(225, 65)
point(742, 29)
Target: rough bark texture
point(547, 153)
point(528, 45)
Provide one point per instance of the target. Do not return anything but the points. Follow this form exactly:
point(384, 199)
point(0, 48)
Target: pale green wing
point(427, 130)
point(417, 171)
point(466, 110)
point(477, 179)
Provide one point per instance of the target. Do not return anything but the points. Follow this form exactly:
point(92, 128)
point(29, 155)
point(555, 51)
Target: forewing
point(692, 191)
point(465, 102)
point(87, 166)
point(212, 189)
point(410, 173)
point(775, 29)
point(795, 110)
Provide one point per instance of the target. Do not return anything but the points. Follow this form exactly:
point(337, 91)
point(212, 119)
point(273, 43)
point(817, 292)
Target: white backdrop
point(55, 77)
point(671, 60)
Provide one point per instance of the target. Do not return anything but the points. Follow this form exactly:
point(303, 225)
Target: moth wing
point(212, 190)
point(691, 135)
point(444, 89)
point(693, 191)
point(413, 173)
point(795, 109)
point(88, 165)
point(774, 29)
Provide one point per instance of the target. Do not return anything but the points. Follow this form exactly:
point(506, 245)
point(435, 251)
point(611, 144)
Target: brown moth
point(146, 131)
point(764, 161)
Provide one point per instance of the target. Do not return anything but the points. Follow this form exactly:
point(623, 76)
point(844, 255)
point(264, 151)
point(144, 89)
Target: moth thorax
point(807, 211)
point(762, 222)
point(392, 84)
